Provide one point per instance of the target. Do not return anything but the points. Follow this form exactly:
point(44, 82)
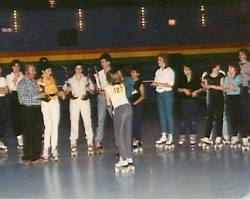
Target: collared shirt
point(78, 87)
point(245, 73)
point(164, 76)
point(11, 85)
point(27, 91)
point(103, 78)
point(3, 83)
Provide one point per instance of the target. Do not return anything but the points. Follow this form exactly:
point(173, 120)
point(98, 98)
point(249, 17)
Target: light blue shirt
point(236, 81)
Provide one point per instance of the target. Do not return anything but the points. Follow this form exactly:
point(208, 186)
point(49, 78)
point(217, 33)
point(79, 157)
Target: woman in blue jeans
point(163, 83)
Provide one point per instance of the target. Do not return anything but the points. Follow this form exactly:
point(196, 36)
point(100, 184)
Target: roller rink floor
point(179, 174)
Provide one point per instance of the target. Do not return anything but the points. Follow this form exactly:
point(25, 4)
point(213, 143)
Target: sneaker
point(19, 141)
point(163, 139)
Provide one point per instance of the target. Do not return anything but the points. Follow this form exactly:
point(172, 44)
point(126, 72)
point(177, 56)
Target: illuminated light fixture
point(202, 16)
point(15, 21)
point(52, 3)
point(80, 20)
point(171, 22)
point(142, 18)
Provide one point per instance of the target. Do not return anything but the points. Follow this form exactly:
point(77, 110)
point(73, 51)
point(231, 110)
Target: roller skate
point(181, 140)
point(131, 166)
point(19, 142)
point(192, 141)
point(245, 144)
point(137, 146)
point(122, 167)
point(235, 144)
point(54, 155)
point(170, 142)
point(90, 150)
point(3, 148)
point(73, 151)
point(226, 141)
point(160, 144)
point(205, 143)
point(218, 143)
point(99, 148)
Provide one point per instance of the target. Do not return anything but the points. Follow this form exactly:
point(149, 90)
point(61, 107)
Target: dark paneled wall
point(108, 27)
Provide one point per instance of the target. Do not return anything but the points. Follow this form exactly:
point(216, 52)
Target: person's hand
point(42, 95)
point(194, 94)
point(154, 84)
point(187, 92)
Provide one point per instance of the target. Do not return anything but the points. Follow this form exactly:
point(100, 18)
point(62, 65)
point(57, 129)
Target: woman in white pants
point(51, 113)
point(80, 86)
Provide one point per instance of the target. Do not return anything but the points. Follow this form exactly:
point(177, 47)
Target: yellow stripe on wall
point(119, 52)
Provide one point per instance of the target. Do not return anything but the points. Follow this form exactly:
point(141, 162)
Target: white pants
point(51, 117)
point(77, 107)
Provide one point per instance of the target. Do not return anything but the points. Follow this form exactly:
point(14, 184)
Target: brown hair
point(165, 58)
point(245, 51)
point(114, 77)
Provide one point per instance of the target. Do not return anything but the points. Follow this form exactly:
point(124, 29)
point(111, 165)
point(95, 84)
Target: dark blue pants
point(136, 123)
point(189, 114)
point(245, 112)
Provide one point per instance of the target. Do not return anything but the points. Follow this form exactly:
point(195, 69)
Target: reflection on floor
point(182, 173)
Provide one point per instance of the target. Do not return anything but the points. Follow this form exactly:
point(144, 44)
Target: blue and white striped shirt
point(27, 90)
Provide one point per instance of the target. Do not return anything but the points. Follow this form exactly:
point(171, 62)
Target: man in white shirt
point(79, 85)
point(12, 80)
point(105, 60)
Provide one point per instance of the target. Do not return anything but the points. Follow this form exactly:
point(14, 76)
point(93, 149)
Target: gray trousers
point(123, 130)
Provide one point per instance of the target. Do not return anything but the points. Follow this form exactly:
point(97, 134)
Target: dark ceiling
point(43, 4)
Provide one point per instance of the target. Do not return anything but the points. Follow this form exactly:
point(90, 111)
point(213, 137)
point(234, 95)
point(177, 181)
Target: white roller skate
point(131, 166)
point(54, 155)
point(245, 144)
point(192, 141)
point(19, 142)
point(205, 143)
point(218, 143)
point(3, 148)
point(90, 150)
point(137, 146)
point(99, 148)
point(170, 142)
point(181, 139)
point(235, 143)
point(159, 144)
point(73, 150)
point(122, 167)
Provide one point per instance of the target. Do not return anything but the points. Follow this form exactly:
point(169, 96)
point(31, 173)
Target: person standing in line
point(115, 94)
point(15, 108)
point(51, 112)
point(80, 85)
point(32, 120)
point(189, 89)
point(164, 82)
point(3, 109)
point(232, 84)
point(214, 84)
point(245, 97)
point(137, 98)
point(101, 79)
